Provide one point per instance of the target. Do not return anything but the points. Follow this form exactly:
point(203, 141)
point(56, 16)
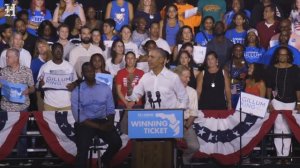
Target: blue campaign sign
point(13, 91)
point(155, 123)
point(105, 78)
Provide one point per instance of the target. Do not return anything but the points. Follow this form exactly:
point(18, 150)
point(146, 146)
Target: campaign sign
point(57, 81)
point(199, 53)
point(105, 78)
point(253, 105)
point(155, 123)
point(13, 91)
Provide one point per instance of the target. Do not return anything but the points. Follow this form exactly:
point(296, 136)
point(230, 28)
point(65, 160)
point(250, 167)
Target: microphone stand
point(240, 109)
point(158, 100)
point(149, 95)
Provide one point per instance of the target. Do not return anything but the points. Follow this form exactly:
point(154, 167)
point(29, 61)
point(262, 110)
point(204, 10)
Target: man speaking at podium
point(162, 87)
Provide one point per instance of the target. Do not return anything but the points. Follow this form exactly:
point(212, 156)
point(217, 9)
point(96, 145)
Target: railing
point(39, 154)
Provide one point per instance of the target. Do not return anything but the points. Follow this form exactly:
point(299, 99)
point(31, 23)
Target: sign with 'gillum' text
point(155, 123)
point(57, 81)
point(252, 104)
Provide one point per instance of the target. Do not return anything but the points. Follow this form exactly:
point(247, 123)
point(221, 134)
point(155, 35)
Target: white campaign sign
point(199, 53)
point(57, 81)
point(253, 105)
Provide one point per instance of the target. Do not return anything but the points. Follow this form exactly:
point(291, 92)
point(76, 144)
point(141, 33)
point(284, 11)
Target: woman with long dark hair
point(116, 62)
point(170, 25)
point(206, 32)
point(237, 31)
point(255, 82)
point(98, 63)
point(184, 36)
point(185, 59)
point(47, 32)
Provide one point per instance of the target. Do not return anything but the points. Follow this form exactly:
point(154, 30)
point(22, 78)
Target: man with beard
point(220, 44)
point(29, 40)
point(83, 52)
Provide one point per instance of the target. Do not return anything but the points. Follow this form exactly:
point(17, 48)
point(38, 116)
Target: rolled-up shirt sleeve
point(138, 91)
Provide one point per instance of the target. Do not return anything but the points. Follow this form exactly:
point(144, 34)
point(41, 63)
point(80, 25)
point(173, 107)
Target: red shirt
point(265, 33)
point(122, 78)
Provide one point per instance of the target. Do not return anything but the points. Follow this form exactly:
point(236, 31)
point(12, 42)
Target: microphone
point(149, 95)
point(158, 100)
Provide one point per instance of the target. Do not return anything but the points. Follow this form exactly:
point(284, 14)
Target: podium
point(153, 132)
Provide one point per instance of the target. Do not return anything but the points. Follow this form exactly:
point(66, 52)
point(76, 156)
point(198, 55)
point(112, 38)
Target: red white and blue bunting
point(57, 129)
point(11, 125)
point(217, 131)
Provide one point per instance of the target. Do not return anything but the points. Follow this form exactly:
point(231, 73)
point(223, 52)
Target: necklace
point(213, 83)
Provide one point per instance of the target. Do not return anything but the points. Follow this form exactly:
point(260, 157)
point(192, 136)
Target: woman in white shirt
point(116, 62)
point(126, 33)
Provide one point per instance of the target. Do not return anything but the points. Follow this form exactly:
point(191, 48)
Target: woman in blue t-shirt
point(36, 14)
point(206, 34)
point(170, 26)
point(121, 11)
point(238, 30)
point(237, 6)
point(253, 51)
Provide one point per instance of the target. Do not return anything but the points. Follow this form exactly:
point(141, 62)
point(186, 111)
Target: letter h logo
point(10, 10)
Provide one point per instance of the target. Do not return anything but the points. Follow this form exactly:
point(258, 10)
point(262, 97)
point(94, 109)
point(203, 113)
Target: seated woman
point(213, 86)
point(189, 115)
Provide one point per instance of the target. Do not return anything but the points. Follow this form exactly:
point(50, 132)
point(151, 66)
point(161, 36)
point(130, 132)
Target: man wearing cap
point(253, 51)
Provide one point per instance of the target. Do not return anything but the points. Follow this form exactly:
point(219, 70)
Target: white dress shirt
point(25, 58)
point(193, 103)
point(172, 92)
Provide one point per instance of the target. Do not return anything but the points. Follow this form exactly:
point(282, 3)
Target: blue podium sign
point(157, 123)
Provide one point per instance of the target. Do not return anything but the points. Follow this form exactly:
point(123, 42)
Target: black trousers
point(84, 135)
